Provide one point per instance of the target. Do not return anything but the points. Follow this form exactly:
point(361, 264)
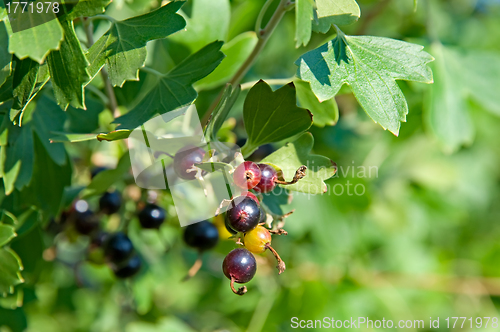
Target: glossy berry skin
point(110, 202)
point(267, 180)
point(263, 216)
point(118, 248)
point(203, 235)
point(247, 175)
point(240, 265)
point(152, 216)
point(228, 227)
point(244, 216)
point(184, 160)
point(257, 239)
point(129, 268)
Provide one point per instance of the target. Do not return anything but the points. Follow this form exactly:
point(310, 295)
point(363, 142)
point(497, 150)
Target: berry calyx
point(110, 202)
point(239, 266)
point(184, 160)
point(258, 240)
point(202, 235)
point(129, 268)
point(152, 216)
point(247, 175)
point(243, 215)
point(268, 179)
point(118, 248)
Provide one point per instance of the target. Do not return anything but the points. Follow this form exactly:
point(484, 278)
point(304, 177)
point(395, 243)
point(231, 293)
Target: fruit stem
point(194, 269)
point(263, 35)
point(281, 265)
point(299, 174)
point(241, 291)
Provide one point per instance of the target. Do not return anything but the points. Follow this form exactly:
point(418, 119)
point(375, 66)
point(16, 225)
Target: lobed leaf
point(11, 267)
point(7, 233)
point(325, 113)
point(303, 24)
point(174, 89)
point(272, 116)
point(23, 86)
point(370, 66)
point(335, 12)
point(123, 47)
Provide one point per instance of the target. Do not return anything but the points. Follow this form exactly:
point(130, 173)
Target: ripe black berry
point(243, 215)
point(110, 202)
point(86, 222)
point(239, 266)
point(268, 179)
point(184, 160)
point(129, 268)
point(118, 248)
point(228, 227)
point(152, 216)
point(247, 175)
point(202, 235)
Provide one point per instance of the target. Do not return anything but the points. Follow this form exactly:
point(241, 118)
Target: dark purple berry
point(129, 268)
point(110, 202)
point(202, 235)
point(152, 216)
point(239, 265)
point(86, 222)
point(247, 175)
point(184, 160)
point(228, 227)
point(243, 214)
point(118, 248)
point(267, 180)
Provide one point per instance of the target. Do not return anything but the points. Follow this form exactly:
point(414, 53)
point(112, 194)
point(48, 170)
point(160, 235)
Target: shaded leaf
point(105, 179)
point(71, 137)
point(272, 116)
point(338, 12)
point(293, 155)
point(68, 69)
point(123, 47)
point(221, 112)
point(236, 52)
point(370, 66)
point(5, 56)
point(325, 113)
point(23, 84)
point(11, 268)
point(86, 8)
point(85, 121)
point(174, 89)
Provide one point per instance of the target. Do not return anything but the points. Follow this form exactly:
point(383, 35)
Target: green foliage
point(303, 25)
point(370, 66)
point(123, 47)
point(341, 12)
point(272, 116)
point(174, 89)
point(23, 85)
point(5, 56)
point(7, 233)
point(10, 265)
point(324, 113)
point(293, 155)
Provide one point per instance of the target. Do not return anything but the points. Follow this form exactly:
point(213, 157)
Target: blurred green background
point(421, 241)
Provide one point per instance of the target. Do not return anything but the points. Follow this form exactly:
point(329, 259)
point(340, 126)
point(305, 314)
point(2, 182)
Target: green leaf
point(325, 113)
point(86, 8)
point(338, 12)
point(17, 156)
point(85, 121)
point(68, 69)
point(48, 117)
point(24, 81)
point(11, 268)
point(114, 135)
point(105, 179)
point(123, 47)
point(303, 24)
point(5, 56)
point(174, 89)
point(8, 218)
point(236, 51)
point(71, 137)
point(447, 111)
point(209, 22)
point(213, 166)
point(36, 42)
point(272, 116)
point(370, 66)
point(221, 112)
point(293, 155)
point(7, 233)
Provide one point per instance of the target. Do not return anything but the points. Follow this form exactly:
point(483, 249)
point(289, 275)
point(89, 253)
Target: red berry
point(247, 175)
point(239, 265)
point(267, 180)
point(184, 160)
